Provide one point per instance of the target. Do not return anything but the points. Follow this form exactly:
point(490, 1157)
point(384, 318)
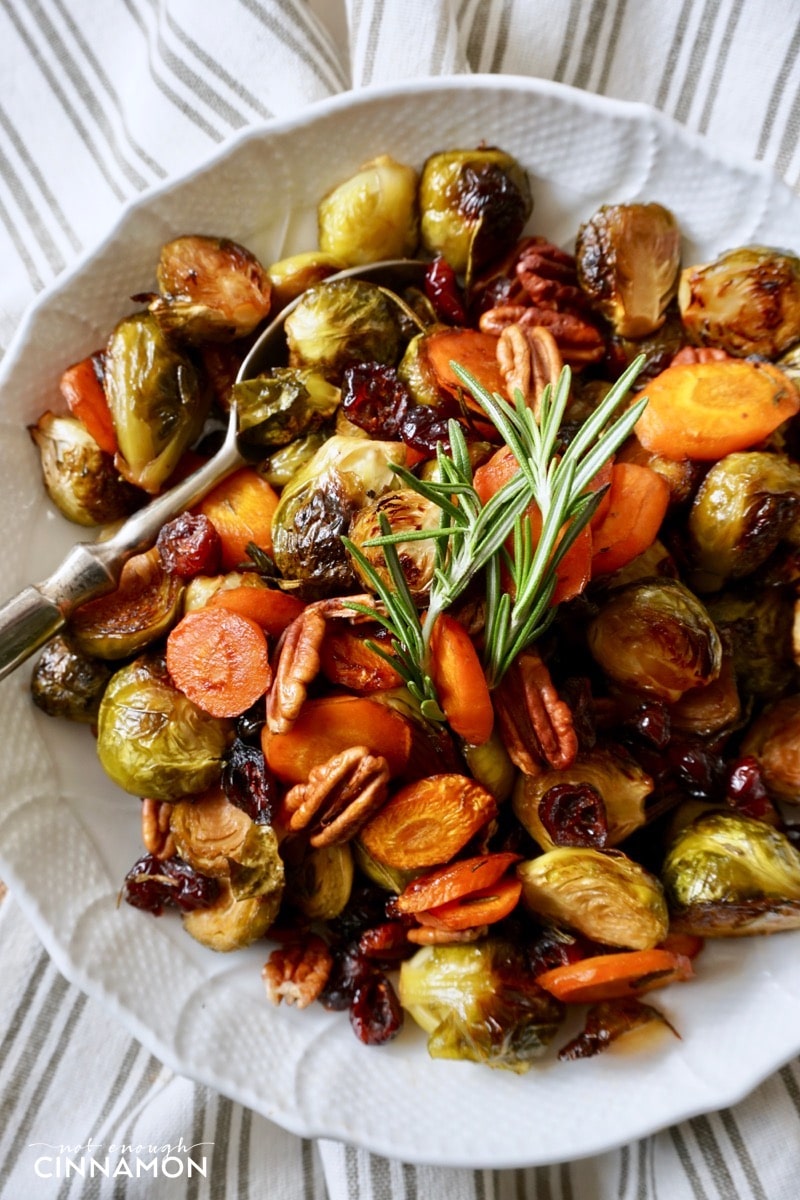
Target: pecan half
point(535, 724)
point(296, 666)
point(688, 355)
point(339, 796)
point(298, 972)
point(529, 360)
point(156, 835)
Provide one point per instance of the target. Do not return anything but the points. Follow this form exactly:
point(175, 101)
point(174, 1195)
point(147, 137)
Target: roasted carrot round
point(460, 681)
point(638, 499)
point(478, 908)
point(454, 881)
point(86, 399)
point(220, 660)
point(346, 660)
point(612, 976)
point(706, 410)
point(241, 508)
point(475, 351)
point(270, 608)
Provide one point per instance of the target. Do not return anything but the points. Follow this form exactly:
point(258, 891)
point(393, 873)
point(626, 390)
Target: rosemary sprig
point(471, 536)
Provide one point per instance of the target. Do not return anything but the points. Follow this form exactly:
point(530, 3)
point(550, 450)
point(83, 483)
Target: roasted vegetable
point(372, 215)
point(319, 885)
point(157, 400)
point(145, 604)
point(278, 408)
point(208, 831)
point(68, 683)
point(774, 741)
point(479, 1002)
point(747, 301)
point(473, 206)
point(727, 875)
point(406, 511)
point(604, 895)
point(757, 623)
point(656, 638)
point(628, 258)
point(231, 924)
point(340, 323)
point(746, 506)
point(212, 289)
point(290, 277)
point(152, 741)
point(283, 464)
point(79, 477)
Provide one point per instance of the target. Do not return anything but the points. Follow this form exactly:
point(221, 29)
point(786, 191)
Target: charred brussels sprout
point(276, 409)
point(747, 505)
point(143, 607)
point(318, 504)
point(212, 289)
point(745, 302)
point(758, 624)
point(602, 894)
point(479, 1002)
point(372, 215)
point(406, 511)
point(68, 683)
point(628, 258)
point(340, 323)
point(208, 831)
point(152, 741)
point(473, 206)
point(727, 875)
point(157, 400)
point(80, 478)
point(774, 741)
point(656, 638)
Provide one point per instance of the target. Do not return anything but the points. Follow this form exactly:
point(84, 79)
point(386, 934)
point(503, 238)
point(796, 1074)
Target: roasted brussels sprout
point(712, 709)
point(656, 638)
point(290, 277)
point(372, 215)
point(283, 464)
point(278, 408)
point(491, 765)
point(479, 1002)
point(212, 289)
point(406, 511)
point(231, 924)
point(152, 741)
point(628, 258)
point(256, 867)
point(747, 505)
point(208, 831)
point(745, 302)
point(473, 206)
point(727, 875)
point(318, 504)
point(146, 603)
point(68, 683)
point(774, 741)
point(157, 400)
point(758, 624)
point(340, 323)
point(619, 781)
point(602, 894)
point(79, 477)
point(319, 885)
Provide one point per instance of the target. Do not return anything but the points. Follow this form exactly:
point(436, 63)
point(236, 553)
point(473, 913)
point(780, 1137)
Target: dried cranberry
point(365, 909)
point(248, 782)
point(424, 426)
point(189, 545)
point(745, 789)
point(574, 814)
point(375, 400)
point(698, 768)
point(375, 1013)
point(152, 883)
point(441, 288)
point(350, 969)
point(386, 942)
point(252, 721)
point(651, 722)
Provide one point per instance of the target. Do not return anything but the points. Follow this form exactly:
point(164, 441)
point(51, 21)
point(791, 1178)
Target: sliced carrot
point(490, 476)
point(687, 944)
point(82, 389)
point(478, 908)
point(428, 822)
point(707, 410)
point(347, 661)
point(612, 976)
point(220, 660)
point(241, 509)
point(330, 724)
point(473, 350)
point(455, 880)
point(460, 681)
point(269, 607)
point(638, 502)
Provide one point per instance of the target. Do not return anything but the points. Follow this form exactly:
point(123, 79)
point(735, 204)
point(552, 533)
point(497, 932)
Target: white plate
point(68, 836)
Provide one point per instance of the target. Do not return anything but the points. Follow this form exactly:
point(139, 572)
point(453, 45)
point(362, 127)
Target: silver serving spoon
point(32, 617)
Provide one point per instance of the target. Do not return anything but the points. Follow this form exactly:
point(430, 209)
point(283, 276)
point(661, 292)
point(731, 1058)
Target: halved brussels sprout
point(256, 867)
point(79, 477)
point(319, 885)
point(406, 511)
point(727, 875)
point(473, 206)
point(157, 400)
point(656, 638)
point(283, 464)
point(290, 277)
point(231, 924)
point(747, 301)
point(143, 607)
point(602, 894)
point(480, 1002)
point(712, 709)
point(68, 683)
point(748, 503)
point(774, 740)
point(628, 257)
point(391, 879)
point(340, 323)
point(618, 779)
point(372, 215)
point(212, 289)
point(275, 409)
point(318, 504)
point(208, 831)
point(152, 741)
point(758, 624)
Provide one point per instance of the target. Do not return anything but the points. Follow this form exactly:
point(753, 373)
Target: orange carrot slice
point(478, 908)
point(85, 396)
point(460, 682)
point(638, 502)
point(220, 660)
point(612, 976)
point(454, 881)
point(270, 608)
point(241, 508)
